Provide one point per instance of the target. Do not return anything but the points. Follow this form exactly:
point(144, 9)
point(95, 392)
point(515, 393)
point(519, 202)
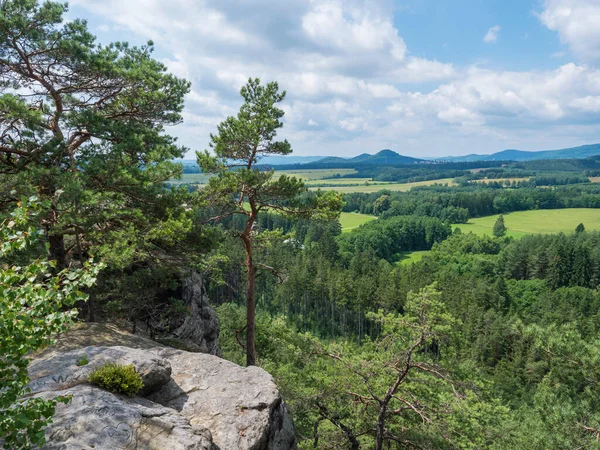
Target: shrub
point(37, 301)
point(82, 361)
point(117, 378)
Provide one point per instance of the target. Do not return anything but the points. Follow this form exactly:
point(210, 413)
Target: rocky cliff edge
point(190, 400)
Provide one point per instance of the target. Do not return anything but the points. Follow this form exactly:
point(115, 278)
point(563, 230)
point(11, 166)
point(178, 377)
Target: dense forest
point(487, 342)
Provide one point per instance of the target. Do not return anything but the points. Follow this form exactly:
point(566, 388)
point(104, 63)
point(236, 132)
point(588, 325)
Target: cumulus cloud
point(577, 23)
point(352, 29)
point(492, 34)
point(352, 82)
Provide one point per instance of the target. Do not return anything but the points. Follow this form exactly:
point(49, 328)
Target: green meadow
point(543, 221)
point(411, 257)
point(314, 176)
point(349, 221)
point(519, 224)
point(378, 186)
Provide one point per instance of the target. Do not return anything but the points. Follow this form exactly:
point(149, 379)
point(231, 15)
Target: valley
point(253, 296)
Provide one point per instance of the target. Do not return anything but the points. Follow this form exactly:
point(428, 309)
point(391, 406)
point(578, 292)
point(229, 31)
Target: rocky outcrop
point(200, 326)
point(241, 407)
point(192, 400)
point(96, 419)
point(57, 370)
point(197, 330)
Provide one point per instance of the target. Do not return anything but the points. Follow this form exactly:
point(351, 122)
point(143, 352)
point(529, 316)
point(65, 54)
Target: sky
point(424, 78)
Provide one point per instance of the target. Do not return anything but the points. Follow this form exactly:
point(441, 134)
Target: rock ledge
point(193, 400)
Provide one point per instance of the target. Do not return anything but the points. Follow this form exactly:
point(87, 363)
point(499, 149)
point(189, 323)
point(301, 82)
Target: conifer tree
point(82, 127)
point(499, 227)
point(240, 188)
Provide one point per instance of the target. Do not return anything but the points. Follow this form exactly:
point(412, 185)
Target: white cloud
point(589, 103)
point(577, 23)
point(353, 124)
point(492, 34)
point(354, 29)
point(352, 83)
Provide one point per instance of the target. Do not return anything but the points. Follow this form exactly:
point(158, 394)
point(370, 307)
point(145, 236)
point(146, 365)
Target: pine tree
point(582, 266)
point(541, 265)
point(240, 188)
point(82, 126)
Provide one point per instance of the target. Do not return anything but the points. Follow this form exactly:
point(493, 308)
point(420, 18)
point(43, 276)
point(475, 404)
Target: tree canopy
point(82, 125)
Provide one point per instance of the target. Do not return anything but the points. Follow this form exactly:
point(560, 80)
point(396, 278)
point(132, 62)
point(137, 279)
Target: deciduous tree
point(499, 227)
point(34, 306)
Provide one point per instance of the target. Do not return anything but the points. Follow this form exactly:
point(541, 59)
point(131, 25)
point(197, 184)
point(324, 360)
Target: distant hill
point(383, 158)
point(268, 160)
point(361, 157)
point(279, 160)
point(386, 157)
point(584, 151)
point(330, 160)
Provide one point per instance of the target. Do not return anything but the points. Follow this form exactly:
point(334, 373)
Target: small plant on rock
point(117, 378)
point(83, 361)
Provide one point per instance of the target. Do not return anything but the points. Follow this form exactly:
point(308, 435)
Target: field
point(349, 221)
point(319, 174)
point(544, 221)
point(501, 180)
point(309, 176)
point(322, 179)
point(340, 181)
point(411, 257)
point(389, 186)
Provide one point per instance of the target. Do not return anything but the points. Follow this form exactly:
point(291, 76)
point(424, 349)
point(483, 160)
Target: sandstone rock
point(57, 371)
point(198, 401)
point(96, 419)
point(197, 330)
point(241, 406)
point(103, 334)
point(200, 326)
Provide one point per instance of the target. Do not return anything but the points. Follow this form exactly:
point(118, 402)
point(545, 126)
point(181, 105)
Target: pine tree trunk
point(56, 242)
point(380, 428)
point(250, 305)
point(57, 250)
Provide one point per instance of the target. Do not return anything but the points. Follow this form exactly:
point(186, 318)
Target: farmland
point(543, 221)
point(326, 179)
point(349, 221)
point(320, 176)
point(401, 187)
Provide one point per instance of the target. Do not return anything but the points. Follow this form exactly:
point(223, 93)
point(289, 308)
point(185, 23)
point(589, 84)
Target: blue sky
point(453, 31)
point(422, 77)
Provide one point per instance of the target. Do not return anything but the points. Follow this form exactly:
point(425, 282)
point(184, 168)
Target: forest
point(489, 341)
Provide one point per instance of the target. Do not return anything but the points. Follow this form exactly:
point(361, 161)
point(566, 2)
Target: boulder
point(242, 407)
point(96, 419)
point(58, 370)
point(193, 400)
